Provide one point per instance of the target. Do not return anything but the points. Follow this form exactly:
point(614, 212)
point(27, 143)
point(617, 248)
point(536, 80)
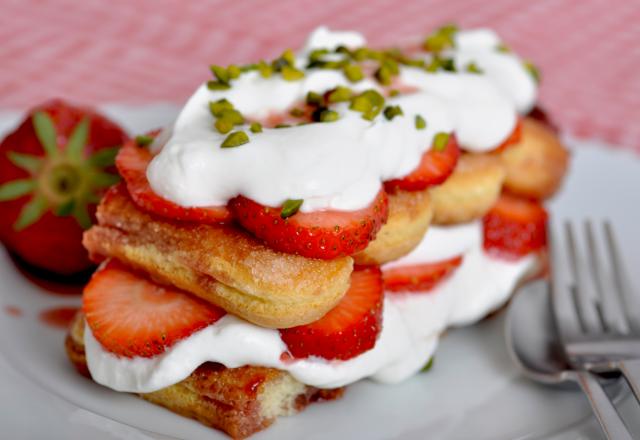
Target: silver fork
point(596, 310)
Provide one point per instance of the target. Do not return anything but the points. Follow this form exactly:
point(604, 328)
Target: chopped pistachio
point(440, 141)
point(314, 98)
point(255, 127)
point(428, 366)
point(339, 94)
point(231, 115)
point(317, 54)
point(265, 69)
point(448, 64)
point(233, 71)
point(342, 49)
point(224, 126)
point(503, 48)
point(392, 111)
point(441, 39)
point(221, 73)
point(217, 85)
point(383, 75)
point(218, 106)
point(533, 71)
point(291, 73)
point(329, 116)
point(391, 65)
point(353, 72)
point(296, 112)
point(143, 140)
point(282, 126)
point(235, 139)
point(394, 92)
point(421, 124)
point(289, 57)
point(360, 54)
point(370, 103)
point(438, 63)
point(473, 68)
point(290, 207)
point(248, 67)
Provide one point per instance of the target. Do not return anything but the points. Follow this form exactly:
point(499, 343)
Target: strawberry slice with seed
point(347, 330)
point(419, 277)
point(132, 316)
point(515, 227)
point(434, 168)
point(320, 234)
point(132, 162)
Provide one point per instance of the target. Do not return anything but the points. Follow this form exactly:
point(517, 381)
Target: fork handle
point(606, 413)
point(631, 371)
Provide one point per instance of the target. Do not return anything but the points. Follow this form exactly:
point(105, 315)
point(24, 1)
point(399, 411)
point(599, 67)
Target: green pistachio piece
point(291, 73)
point(339, 94)
point(290, 207)
point(440, 141)
point(353, 72)
point(392, 111)
point(329, 116)
point(235, 139)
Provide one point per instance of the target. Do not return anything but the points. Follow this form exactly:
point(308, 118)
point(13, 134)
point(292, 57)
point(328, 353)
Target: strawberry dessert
point(315, 220)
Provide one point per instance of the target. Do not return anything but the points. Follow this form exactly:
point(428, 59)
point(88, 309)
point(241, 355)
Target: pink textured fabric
point(103, 51)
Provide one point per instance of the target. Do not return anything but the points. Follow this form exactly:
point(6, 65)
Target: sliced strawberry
point(132, 316)
point(513, 138)
point(419, 277)
point(320, 234)
point(132, 162)
point(515, 227)
point(434, 168)
point(349, 329)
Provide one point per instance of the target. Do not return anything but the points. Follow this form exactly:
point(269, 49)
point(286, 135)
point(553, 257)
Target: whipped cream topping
point(338, 165)
point(412, 323)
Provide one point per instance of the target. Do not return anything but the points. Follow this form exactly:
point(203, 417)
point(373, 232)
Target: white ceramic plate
point(473, 390)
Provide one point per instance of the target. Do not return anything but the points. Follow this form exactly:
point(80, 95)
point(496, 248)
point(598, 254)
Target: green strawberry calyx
point(63, 180)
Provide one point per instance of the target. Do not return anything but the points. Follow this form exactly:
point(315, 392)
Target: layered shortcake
point(317, 220)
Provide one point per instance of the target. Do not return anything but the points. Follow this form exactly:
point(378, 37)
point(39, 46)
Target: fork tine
point(584, 289)
point(630, 300)
point(612, 309)
point(564, 310)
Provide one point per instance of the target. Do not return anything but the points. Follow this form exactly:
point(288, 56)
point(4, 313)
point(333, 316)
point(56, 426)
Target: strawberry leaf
point(104, 180)
point(104, 158)
point(27, 162)
point(78, 140)
point(31, 212)
point(81, 214)
point(16, 189)
point(65, 209)
point(46, 133)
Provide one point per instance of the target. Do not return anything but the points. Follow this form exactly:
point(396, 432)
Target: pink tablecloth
point(142, 51)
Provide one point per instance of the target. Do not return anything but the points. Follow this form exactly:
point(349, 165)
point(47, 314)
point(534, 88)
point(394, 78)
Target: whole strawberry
point(53, 170)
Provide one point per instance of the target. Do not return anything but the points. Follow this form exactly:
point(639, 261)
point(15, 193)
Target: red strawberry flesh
point(319, 234)
point(515, 227)
point(132, 316)
point(349, 329)
point(419, 277)
point(132, 162)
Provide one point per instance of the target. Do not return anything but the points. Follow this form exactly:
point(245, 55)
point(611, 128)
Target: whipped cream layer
point(338, 165)
point(412, 323)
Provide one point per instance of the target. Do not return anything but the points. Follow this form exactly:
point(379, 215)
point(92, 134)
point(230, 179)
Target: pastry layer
point(409, 217)
point(220, 264)
point(536, 166)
